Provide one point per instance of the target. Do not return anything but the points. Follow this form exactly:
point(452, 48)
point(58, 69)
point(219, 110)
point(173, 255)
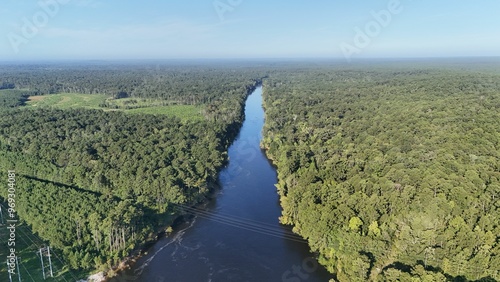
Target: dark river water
point(237, 236)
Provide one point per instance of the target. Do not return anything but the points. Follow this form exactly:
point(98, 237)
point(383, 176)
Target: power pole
point(50, 262)
point(8, 268)
point(18, 272)
point(42, 254)
point(1, 215)
point(41, 259)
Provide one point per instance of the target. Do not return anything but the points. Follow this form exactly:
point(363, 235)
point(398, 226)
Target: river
point(236, 236)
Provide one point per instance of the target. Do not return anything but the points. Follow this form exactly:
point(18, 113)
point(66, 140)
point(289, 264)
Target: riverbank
point(237, 235)
point(163, 232)
point(175, 220)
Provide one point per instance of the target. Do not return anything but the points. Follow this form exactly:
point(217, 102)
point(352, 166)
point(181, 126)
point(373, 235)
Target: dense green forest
point(13, 98)
point(391, 172)
point(96, 184)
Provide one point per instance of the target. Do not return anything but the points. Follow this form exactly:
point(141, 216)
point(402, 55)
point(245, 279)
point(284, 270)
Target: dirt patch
point(35, 98)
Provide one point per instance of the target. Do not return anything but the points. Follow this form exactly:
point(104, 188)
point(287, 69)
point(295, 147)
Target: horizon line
point(275, 59)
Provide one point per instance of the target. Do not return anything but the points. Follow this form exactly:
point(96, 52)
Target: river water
point(237, 236)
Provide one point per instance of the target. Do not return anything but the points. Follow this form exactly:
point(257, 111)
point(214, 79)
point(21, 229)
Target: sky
point(180, 29)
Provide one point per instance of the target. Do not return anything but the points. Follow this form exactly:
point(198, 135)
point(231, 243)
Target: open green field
point(67, 101)
point(128, 105)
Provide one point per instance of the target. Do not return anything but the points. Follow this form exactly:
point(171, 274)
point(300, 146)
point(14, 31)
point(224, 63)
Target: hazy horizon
point(239, 29)
point(254, 60)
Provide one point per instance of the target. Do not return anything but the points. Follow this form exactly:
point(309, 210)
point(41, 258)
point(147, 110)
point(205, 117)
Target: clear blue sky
point(163, 29)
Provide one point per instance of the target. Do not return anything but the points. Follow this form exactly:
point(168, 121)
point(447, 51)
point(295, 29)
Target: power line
point(9, 269)
point(42, 243)
point(32, 279)
point(246, 224)
point(37, 244)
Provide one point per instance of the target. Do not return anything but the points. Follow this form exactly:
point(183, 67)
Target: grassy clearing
point(67, 101)
point(128, 105)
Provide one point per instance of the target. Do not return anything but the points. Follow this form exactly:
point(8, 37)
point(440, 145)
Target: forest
point(390, 171)
point(97, 184)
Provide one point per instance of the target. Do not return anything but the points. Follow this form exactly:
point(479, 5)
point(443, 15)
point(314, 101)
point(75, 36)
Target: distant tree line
point(13, 98)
